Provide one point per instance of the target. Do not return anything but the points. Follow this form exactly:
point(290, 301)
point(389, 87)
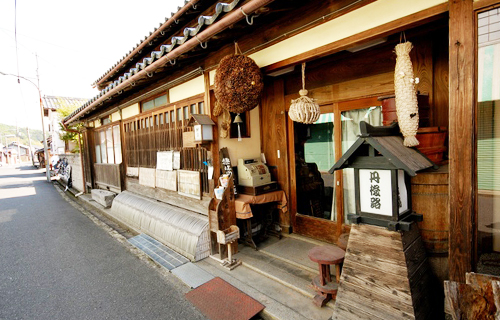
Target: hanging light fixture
point(238, 121)
point(304, 109)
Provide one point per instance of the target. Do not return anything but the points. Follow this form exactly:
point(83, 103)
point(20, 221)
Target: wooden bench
point(325, 256)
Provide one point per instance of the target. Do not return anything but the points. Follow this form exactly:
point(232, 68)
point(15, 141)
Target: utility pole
point(46, 151)
point(31, 148)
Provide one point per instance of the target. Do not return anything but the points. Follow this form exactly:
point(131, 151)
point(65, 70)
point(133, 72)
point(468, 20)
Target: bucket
point(429, 194)
point(432, 143)
point(389, 110)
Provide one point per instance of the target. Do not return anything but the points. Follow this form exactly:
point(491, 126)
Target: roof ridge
point(220, 7)
point(148, 39)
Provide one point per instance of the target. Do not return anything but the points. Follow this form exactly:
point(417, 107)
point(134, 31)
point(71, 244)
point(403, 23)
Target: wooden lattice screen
point(147, 135)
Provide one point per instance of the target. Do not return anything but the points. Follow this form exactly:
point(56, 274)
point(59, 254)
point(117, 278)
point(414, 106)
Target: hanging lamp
point(304, 109)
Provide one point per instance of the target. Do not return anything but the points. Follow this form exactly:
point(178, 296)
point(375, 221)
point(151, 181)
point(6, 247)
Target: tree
point(68, 134)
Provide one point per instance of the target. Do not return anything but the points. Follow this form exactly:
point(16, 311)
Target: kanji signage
point(375, 191)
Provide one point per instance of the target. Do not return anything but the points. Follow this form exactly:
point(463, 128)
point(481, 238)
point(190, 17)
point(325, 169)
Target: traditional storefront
point(136, 130)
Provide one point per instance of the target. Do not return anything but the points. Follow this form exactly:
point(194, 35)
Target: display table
point(243, 202)
point(244, 210)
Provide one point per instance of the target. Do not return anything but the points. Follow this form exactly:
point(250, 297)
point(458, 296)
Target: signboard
point(132, 171)
point(177, 160)
point(375, 191)
point(164, 160)
point(147, 177)
point(166, 179)
point(189, 183)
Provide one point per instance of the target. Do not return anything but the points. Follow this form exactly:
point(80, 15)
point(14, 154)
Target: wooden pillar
point(461, 139)
point(214, 146)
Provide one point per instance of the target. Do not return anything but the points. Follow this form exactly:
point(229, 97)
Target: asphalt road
point(55, 263)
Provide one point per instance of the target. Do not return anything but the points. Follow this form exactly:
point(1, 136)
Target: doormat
point(218, 300)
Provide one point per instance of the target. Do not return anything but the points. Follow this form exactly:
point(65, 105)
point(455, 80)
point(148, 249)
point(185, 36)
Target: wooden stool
point(326, 256)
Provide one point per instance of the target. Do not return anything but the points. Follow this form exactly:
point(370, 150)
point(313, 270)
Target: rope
point(237, 49)
point(303, 75)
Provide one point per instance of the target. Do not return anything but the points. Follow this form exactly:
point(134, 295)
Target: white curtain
point(350, 132)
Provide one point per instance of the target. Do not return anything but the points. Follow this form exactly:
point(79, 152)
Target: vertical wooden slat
point(461, 139)
point(339, 181)
point(274, 138)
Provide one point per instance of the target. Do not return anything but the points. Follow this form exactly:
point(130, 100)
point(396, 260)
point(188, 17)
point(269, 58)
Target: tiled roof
point(175, 41)
point(148, 40)
point(54, 103)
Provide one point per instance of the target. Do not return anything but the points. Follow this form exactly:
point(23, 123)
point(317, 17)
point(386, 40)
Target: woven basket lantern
point(238, 83)
point(304, 109)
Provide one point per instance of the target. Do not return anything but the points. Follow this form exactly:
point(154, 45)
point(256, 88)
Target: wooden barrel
point(430, 198)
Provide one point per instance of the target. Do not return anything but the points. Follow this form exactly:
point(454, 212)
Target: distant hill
point(5, 130)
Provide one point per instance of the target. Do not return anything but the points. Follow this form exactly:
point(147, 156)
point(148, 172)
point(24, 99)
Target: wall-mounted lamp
point(238, 121)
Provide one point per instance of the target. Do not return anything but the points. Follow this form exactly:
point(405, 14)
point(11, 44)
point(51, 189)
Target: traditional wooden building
point(148, 96)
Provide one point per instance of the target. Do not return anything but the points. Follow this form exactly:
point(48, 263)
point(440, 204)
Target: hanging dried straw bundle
point(225, 125)
point(217, 109)
point(406, 95)
point(304, 109)
point(238, 83)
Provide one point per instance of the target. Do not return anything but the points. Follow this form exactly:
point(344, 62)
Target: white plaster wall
point(248, 148)
point(76, 169)
point(187, 89)
point(130, 111)
point(370, 16)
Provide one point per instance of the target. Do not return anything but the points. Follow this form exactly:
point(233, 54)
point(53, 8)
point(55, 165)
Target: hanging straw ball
point(406, 95)
point(304, 109)
point(238, 83)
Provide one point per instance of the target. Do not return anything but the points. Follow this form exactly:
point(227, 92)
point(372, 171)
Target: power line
point(15, 36)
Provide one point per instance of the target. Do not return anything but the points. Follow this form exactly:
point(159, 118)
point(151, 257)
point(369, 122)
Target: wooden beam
point(481, 4)
point(461, 139)
point(387, 29)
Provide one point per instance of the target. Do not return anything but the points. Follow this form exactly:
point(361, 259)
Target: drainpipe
point(227, 21)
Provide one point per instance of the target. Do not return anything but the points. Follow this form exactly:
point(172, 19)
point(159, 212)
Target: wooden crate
point(228, 235)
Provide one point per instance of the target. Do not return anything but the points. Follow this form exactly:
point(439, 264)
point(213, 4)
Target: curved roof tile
point(175, 41)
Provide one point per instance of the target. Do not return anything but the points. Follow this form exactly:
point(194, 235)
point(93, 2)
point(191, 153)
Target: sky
point(76, 43)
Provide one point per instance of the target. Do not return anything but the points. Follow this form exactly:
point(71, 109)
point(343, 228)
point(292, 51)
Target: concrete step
point(281, 301)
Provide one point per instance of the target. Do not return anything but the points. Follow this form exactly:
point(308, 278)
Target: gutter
point(168, 23)
point(227, 21)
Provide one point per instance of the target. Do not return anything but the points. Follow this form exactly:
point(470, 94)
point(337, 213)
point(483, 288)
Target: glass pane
point(103, 147)
point(179, 114)
point(161, 101)
point(350, 131)
point(488, 141)
point(161, 118)
point(97, 148)
point(172, 116)
point(186, 113)
point(148, 105)
point(314, 156)
point(200, 107)
point(117, 144)
point(193, 109)
point(109, 144)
